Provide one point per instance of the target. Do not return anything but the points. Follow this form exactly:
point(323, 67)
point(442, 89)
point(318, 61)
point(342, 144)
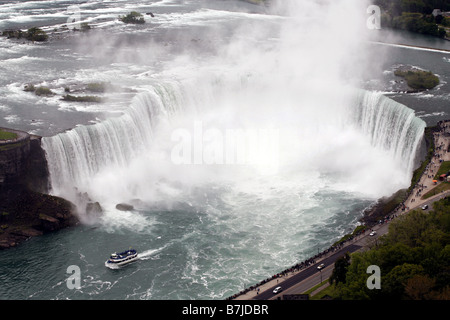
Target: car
point(425, 207)
point(372, 233)
point(277, 290)
point(321, 266)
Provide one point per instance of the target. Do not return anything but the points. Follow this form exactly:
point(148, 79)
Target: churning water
point(244, 144)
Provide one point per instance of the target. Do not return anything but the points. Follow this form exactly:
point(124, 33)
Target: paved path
point(425, 184)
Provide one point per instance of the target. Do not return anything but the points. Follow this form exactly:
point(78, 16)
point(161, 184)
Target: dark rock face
point(31, 214)
point(94, 209)
point(124, 207)
point(25, 208)
point(37, 175)
point(13, 163)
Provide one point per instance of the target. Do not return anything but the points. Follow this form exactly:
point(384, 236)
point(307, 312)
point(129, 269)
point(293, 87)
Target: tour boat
point(122, 258)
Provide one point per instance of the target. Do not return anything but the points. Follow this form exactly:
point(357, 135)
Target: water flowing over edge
point(75, 156)
point(390, 125)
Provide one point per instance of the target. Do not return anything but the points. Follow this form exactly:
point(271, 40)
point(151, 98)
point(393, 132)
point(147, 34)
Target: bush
point(36, 34)
point(133, 17)
point(96, 86)
point(43, 91)
point(85, 26)
point(29, 88)
point(69, 97)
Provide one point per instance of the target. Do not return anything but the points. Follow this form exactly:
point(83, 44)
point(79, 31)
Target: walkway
point(425, 184)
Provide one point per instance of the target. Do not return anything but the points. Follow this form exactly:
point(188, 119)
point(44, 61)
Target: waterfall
point(75, 157)
point(78, 154)
point(389, 125)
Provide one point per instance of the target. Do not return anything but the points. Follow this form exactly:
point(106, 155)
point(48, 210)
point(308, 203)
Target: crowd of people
point(442, 129)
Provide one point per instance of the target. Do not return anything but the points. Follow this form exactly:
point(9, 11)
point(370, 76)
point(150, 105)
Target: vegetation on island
point(415, 16)
point(39, 91)
point(43, 91)
point(32, 34)
point(84, 26)
point(69, 97)
point(36, 34)
point(97, 86)
point(414, 261)
point(257, 1)
point(133, 17)
point(418, 79)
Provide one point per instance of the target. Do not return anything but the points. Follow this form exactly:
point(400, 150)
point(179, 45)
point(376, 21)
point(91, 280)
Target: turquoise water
point(202, 232)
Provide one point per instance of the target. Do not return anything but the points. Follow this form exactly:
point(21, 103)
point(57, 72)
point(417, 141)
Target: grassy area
point(357, 230)
point(6, 135)
point(444, 186)
point(444, 168)
point(319, 294)
point(328, 291)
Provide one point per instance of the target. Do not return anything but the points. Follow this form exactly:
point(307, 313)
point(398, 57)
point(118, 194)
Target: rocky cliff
point(25, 208)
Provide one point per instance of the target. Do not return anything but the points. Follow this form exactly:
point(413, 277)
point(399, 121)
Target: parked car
point(425, 207)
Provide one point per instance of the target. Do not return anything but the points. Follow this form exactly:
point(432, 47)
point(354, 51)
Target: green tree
point(340, 269)
point(419, 287)
point(393, 284)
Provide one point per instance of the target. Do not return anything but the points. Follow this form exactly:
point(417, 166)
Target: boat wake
point(149, 253)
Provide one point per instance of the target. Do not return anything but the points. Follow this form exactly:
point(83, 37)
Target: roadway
point(292, 282)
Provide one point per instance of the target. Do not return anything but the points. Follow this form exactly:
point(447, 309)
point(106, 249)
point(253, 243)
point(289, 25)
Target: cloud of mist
point(293, 70)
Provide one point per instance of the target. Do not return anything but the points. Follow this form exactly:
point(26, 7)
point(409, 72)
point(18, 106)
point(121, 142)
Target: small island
point(418, 80)
point(133, 17)
point(32, 34)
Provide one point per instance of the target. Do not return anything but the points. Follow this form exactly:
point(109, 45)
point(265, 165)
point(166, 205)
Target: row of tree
point(414, 260)
point(397, 7)
point(415, 15)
